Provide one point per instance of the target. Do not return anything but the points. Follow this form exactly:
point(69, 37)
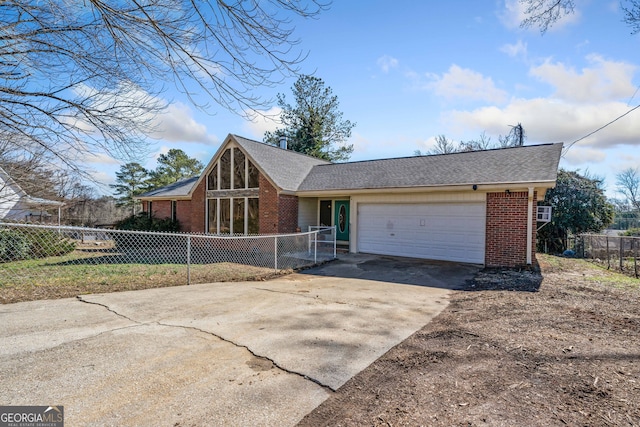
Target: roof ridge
point(279, 148)
point(444, 154)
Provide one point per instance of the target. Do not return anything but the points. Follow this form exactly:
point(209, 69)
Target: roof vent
point(283, 142)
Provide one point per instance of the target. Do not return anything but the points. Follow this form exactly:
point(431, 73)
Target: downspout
point(529, 225)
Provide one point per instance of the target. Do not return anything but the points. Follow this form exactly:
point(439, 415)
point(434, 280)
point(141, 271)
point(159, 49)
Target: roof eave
point(484, 187)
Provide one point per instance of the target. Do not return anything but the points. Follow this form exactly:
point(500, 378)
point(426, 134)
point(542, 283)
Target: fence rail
point(27, 252)
point(616, 252)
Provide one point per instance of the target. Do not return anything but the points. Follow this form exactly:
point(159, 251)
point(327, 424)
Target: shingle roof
point(292, 171)
point(181, 188)
point(536, 163)
point(287, 169)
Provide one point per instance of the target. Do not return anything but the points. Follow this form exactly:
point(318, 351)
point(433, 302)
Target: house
point(476, 207)
point(17, 205)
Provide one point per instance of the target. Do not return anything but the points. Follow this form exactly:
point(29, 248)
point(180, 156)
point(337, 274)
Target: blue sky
point(407, 71)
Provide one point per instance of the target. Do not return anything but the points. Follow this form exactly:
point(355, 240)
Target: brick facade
point(161, 209)
point(278, 213)
point(287, 213)
point(197, 221)
point(506, 231)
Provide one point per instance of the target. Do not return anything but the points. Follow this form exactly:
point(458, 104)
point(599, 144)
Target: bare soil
point(554, 347)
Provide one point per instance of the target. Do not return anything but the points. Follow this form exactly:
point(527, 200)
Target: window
point(212, 179)
point(239, 172)
point(228, 214)
point(225, 216)
point(213, 216)
point(253, 174)
point(225, 170)
point(149, 209)
point(238, 216)
point(174, 210)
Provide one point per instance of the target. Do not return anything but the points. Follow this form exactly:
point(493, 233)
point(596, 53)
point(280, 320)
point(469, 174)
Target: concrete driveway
point(249, 353)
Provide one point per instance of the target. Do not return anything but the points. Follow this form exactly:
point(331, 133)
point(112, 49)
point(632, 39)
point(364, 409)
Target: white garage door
point(446, 231)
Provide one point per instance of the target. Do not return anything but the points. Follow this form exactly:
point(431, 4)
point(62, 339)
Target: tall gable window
point(232, 194)
point(225, 170)
point(239, 169)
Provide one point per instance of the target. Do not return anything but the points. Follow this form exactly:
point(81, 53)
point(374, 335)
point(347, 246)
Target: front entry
point(342, 220)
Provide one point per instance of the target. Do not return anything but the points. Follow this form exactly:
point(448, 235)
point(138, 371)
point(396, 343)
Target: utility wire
point(599, 129)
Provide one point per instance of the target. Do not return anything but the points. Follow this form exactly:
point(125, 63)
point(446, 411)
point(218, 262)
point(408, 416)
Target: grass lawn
point(76, 274)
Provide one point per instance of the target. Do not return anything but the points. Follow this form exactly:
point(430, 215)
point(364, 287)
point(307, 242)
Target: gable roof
point(180, 188)
point(295, 172)
point(527, 164)
point(287, 169)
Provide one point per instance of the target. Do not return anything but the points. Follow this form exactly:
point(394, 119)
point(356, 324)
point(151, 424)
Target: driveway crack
point(259, 356)
point(297, 294)
point(79, 297)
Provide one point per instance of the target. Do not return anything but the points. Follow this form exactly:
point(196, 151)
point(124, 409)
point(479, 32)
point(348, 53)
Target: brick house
point(476, 207)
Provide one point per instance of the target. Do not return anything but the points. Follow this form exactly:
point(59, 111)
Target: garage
point(440, 231)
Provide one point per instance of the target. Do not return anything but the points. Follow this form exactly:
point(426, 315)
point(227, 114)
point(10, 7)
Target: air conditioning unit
point(544, 214)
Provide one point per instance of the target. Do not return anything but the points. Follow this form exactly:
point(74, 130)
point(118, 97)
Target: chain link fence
point(616, 252)
point(39, 254)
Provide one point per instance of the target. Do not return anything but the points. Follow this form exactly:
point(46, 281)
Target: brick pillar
point(506, 235)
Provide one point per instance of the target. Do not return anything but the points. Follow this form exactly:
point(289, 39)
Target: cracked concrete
point(215, 354)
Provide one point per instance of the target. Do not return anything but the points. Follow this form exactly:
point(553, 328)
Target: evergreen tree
point(314, 124)
point(130, 182)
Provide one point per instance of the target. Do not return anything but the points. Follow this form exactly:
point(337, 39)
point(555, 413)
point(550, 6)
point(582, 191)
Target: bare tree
point(544, 13)
point(628, 183)
point(82, 77)
point(443, 146)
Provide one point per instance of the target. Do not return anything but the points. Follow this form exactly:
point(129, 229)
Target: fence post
point(335, 242)
point(634, 242)
point(188, 259)
point(315, 248)
point(621, 253)
point(608, 257)
point(275, 253)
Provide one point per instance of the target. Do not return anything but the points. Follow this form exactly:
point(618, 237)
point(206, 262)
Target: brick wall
point(506, 238)
point(287, 214)
point(183, 214)
point(278, 213)
point(268, 207)
point(161, 209)
point(198, 209)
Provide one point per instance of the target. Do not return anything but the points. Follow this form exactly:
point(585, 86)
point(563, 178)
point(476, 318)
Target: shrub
point(46, 243)
point(634, 232)
point(142, 222)
point(14, 245)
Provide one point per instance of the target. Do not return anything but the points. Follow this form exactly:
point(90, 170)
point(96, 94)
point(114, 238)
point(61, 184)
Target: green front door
point(342, 220)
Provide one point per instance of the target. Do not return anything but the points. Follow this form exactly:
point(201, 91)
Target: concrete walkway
point(249, 353)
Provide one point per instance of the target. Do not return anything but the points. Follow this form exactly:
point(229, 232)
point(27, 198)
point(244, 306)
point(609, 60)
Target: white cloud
point(515, 50)
point(514, 13)
point(577, 156)
point(386, 63)
point(549, 120)
point(603, 80)
point(262, 121)
point(466, 84)
point(176, 124)
point(100, 158)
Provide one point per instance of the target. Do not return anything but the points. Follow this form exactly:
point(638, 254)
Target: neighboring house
point(17, 205)
point(476, 207)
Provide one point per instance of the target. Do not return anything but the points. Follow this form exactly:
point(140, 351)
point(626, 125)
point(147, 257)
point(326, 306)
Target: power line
point(599, 129)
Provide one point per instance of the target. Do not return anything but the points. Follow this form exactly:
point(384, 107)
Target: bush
point(32, 243)
point(634, 232)
point(142, 222)
point(46, 243)
point(14, 245)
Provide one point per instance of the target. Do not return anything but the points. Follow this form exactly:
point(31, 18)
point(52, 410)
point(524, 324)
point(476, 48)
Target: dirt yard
point(556, 348)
